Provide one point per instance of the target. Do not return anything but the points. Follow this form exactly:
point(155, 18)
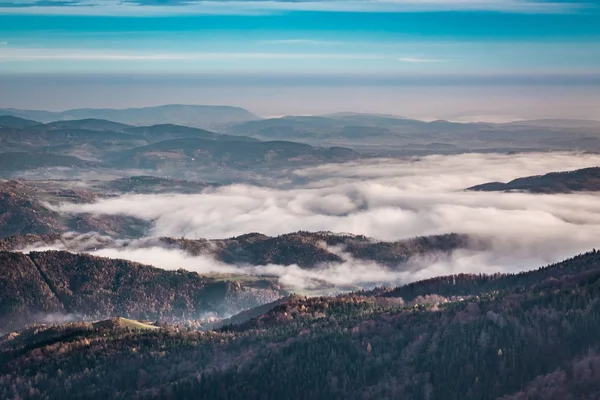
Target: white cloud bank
point(387, 200)
point(418, 60)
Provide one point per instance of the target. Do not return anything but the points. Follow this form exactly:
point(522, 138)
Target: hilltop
point(120, 322)
point(586, 179)
point(192, 115)
point(190, 152)
point(26, 209)
point(309, 250)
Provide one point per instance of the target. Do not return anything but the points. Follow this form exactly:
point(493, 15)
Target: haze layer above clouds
point(522, 59)
point(387, 200)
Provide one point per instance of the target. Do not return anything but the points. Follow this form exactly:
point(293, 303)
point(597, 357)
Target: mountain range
point(28, 146)
point(162, 144)
point(192, 115)
point(307, 250)
point(406, 136)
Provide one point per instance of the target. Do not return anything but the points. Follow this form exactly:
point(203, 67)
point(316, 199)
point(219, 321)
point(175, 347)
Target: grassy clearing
point(123, 323)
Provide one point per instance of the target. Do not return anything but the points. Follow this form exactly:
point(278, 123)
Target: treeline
point(306, 249)
point(474, 284)
point(586, 179)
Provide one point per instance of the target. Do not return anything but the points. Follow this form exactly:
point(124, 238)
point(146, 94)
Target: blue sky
point(445, 41)
point(348, 37)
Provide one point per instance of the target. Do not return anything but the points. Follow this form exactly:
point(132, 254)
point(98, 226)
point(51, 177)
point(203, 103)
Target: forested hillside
point(64, 283)
point(305, 249)
point(532, 337)
point(581, 180)
point(311, 249)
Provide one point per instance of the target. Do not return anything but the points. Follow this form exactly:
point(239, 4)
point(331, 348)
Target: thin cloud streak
point(19, 54)
point(293, 41)
point(141, 8)
point(418, 60)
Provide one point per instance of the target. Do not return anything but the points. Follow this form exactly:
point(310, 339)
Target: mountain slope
point(305, 249)
point(161, 132)
point(15, 161)
point(532, 342)
point(479, 284)
point(311, 249)
point(232, 154)
point(9, 121)
point(67, 283)
point(153, 185)
point(587, 179)
point(557, 123)
point(24, 291)
point(23, 211)
point(93, 138)
point(92, 124)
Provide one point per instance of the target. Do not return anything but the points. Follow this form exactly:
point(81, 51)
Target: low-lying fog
point(387, 199)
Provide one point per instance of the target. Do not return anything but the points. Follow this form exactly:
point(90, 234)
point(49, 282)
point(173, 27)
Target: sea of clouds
point(386, 199)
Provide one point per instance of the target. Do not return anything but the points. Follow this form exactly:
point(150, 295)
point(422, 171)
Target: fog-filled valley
point(101, 205)
point(384, 199)
point(267, 230)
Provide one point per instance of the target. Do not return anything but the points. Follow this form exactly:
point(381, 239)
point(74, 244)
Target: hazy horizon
point(499, 59)
point(490, 102)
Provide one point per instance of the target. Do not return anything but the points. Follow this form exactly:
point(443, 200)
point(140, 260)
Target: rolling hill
point(18, 161)
point(9, 121)
point(191, 115)
point(21, 213)
point(83, 143)
point(89, 124)
point(311, 249)
point(24, 209)
point(305, 249)
point(120, 322)
point(153, 185)
point(232, 154)
point(63, 283)
point(396, 135)
point(587, 179)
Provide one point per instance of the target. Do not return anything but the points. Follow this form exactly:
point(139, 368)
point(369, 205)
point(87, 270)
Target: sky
point(263, 55)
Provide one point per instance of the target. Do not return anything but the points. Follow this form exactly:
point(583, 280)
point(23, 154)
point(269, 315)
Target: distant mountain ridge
point(189, 152)
point(204, 116)
point(586, 179)
point(307, 250)
point(100, 143)
point(10, 121)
